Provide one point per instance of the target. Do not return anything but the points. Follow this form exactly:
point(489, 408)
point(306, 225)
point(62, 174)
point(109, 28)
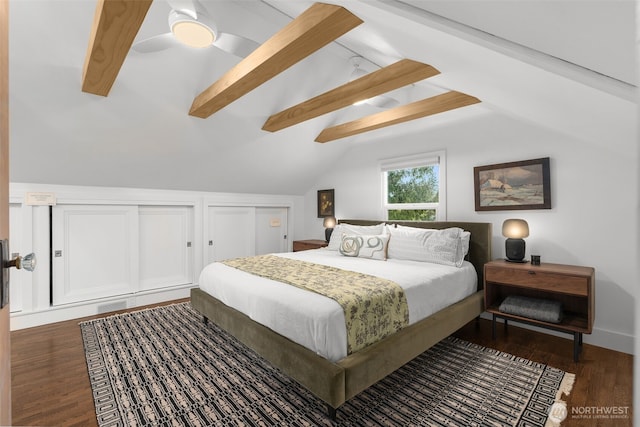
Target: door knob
point(27, 262)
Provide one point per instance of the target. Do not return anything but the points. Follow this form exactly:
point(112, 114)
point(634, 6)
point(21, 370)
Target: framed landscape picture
point(511, 186)
point(326, 205)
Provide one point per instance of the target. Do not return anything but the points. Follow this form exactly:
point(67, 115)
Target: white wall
point(594, 189)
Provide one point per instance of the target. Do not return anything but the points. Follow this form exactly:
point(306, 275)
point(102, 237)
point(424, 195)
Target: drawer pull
point(531, 272)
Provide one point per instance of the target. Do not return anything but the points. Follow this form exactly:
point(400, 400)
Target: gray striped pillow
point(427, 245)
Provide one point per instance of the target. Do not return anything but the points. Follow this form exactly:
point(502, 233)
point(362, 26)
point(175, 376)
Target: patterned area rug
point(163, 366)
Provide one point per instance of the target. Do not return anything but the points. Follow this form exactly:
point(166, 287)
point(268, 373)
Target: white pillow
point(465, 238)
point(427, 245)
point(365, 246)
point(340, 229)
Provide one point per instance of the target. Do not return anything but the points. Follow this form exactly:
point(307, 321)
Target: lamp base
point(522, 261)
point(327, 234)
point(515, 249)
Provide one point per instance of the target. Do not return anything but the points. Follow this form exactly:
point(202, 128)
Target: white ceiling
point(566, 65)
point(597, 35)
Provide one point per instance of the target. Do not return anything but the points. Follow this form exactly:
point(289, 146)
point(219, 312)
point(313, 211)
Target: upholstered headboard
point(479, 245)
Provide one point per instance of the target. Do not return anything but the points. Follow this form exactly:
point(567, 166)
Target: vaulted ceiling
point(557, 64)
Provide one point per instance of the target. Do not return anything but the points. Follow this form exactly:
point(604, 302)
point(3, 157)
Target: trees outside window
point(413, 188)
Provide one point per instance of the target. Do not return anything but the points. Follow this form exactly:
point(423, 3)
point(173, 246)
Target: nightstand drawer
point(539, 279)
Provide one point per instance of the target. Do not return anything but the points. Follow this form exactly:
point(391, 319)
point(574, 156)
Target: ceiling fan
point(190, 24)
point(361, 67)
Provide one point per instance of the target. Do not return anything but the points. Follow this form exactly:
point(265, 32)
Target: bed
point(336, 381)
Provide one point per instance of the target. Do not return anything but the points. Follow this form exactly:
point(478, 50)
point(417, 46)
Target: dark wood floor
point(604, 378)
point(49, 380)
point(51, 386)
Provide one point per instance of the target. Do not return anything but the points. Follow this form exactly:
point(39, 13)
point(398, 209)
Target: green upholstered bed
point(336, 382)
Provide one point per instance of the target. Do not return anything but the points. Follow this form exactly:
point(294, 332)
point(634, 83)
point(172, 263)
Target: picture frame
point(326, 203)
point(513, 186)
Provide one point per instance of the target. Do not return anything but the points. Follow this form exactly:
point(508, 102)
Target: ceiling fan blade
point(382, 101)
point(236, 45)
point(156, 43)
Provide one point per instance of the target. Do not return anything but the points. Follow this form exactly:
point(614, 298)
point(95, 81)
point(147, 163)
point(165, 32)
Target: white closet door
point(17, 245)
point(95, 252)
point(231, 232)
point(271, 230)
point(165, 243)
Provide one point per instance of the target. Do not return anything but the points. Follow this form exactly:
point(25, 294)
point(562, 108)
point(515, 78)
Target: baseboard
point(22, 320)
point(611, 340)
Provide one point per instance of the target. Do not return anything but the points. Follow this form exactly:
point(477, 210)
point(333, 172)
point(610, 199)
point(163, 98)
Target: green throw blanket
point(373, 307)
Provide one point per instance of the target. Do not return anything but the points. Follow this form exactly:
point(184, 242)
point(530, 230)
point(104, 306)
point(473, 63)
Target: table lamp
point(515, 230)
point(328, 223)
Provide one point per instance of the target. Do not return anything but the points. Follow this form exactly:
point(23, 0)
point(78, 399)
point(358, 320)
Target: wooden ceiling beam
point(397, 75)
point(313, 29)
point(115, 25)
point(415, 110)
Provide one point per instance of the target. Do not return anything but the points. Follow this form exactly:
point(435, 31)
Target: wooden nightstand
point(304, 245)
point(573, 286)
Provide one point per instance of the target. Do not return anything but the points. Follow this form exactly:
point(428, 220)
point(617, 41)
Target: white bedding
point(317, 322)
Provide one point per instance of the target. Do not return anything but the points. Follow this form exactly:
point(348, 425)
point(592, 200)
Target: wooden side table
point(573, 286)
point(304, 245)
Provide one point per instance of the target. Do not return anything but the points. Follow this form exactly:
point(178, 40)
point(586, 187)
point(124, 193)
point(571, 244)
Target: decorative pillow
point(365, 246)
point(428, 245)
point(340, 229)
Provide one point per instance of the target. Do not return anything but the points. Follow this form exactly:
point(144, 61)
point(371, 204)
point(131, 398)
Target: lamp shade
point(329, 222)
point(515, 228)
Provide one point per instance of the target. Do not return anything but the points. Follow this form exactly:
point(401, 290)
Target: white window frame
point(415, 161)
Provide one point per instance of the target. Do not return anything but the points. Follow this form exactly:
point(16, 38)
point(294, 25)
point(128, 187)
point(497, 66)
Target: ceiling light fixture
point(192, 32)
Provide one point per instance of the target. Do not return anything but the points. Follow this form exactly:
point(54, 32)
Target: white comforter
point(317, 322)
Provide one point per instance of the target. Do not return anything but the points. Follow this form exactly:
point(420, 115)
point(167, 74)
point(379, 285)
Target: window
point(414, 188)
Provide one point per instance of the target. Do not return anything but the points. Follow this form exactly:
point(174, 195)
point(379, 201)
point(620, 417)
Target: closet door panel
point(17, 245)
point(165, 246)
point(95, 252)
point(231, 232)
point(271, 230)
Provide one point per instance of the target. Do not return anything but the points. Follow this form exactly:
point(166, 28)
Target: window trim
point(414, 161)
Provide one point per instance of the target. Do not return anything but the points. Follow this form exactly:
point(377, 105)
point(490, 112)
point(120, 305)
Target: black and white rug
point(164, 367)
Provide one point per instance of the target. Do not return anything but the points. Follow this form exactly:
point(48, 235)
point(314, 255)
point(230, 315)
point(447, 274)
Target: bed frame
point(336, 382)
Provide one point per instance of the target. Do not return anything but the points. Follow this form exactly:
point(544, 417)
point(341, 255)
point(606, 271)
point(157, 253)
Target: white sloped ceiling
point(141, 135)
